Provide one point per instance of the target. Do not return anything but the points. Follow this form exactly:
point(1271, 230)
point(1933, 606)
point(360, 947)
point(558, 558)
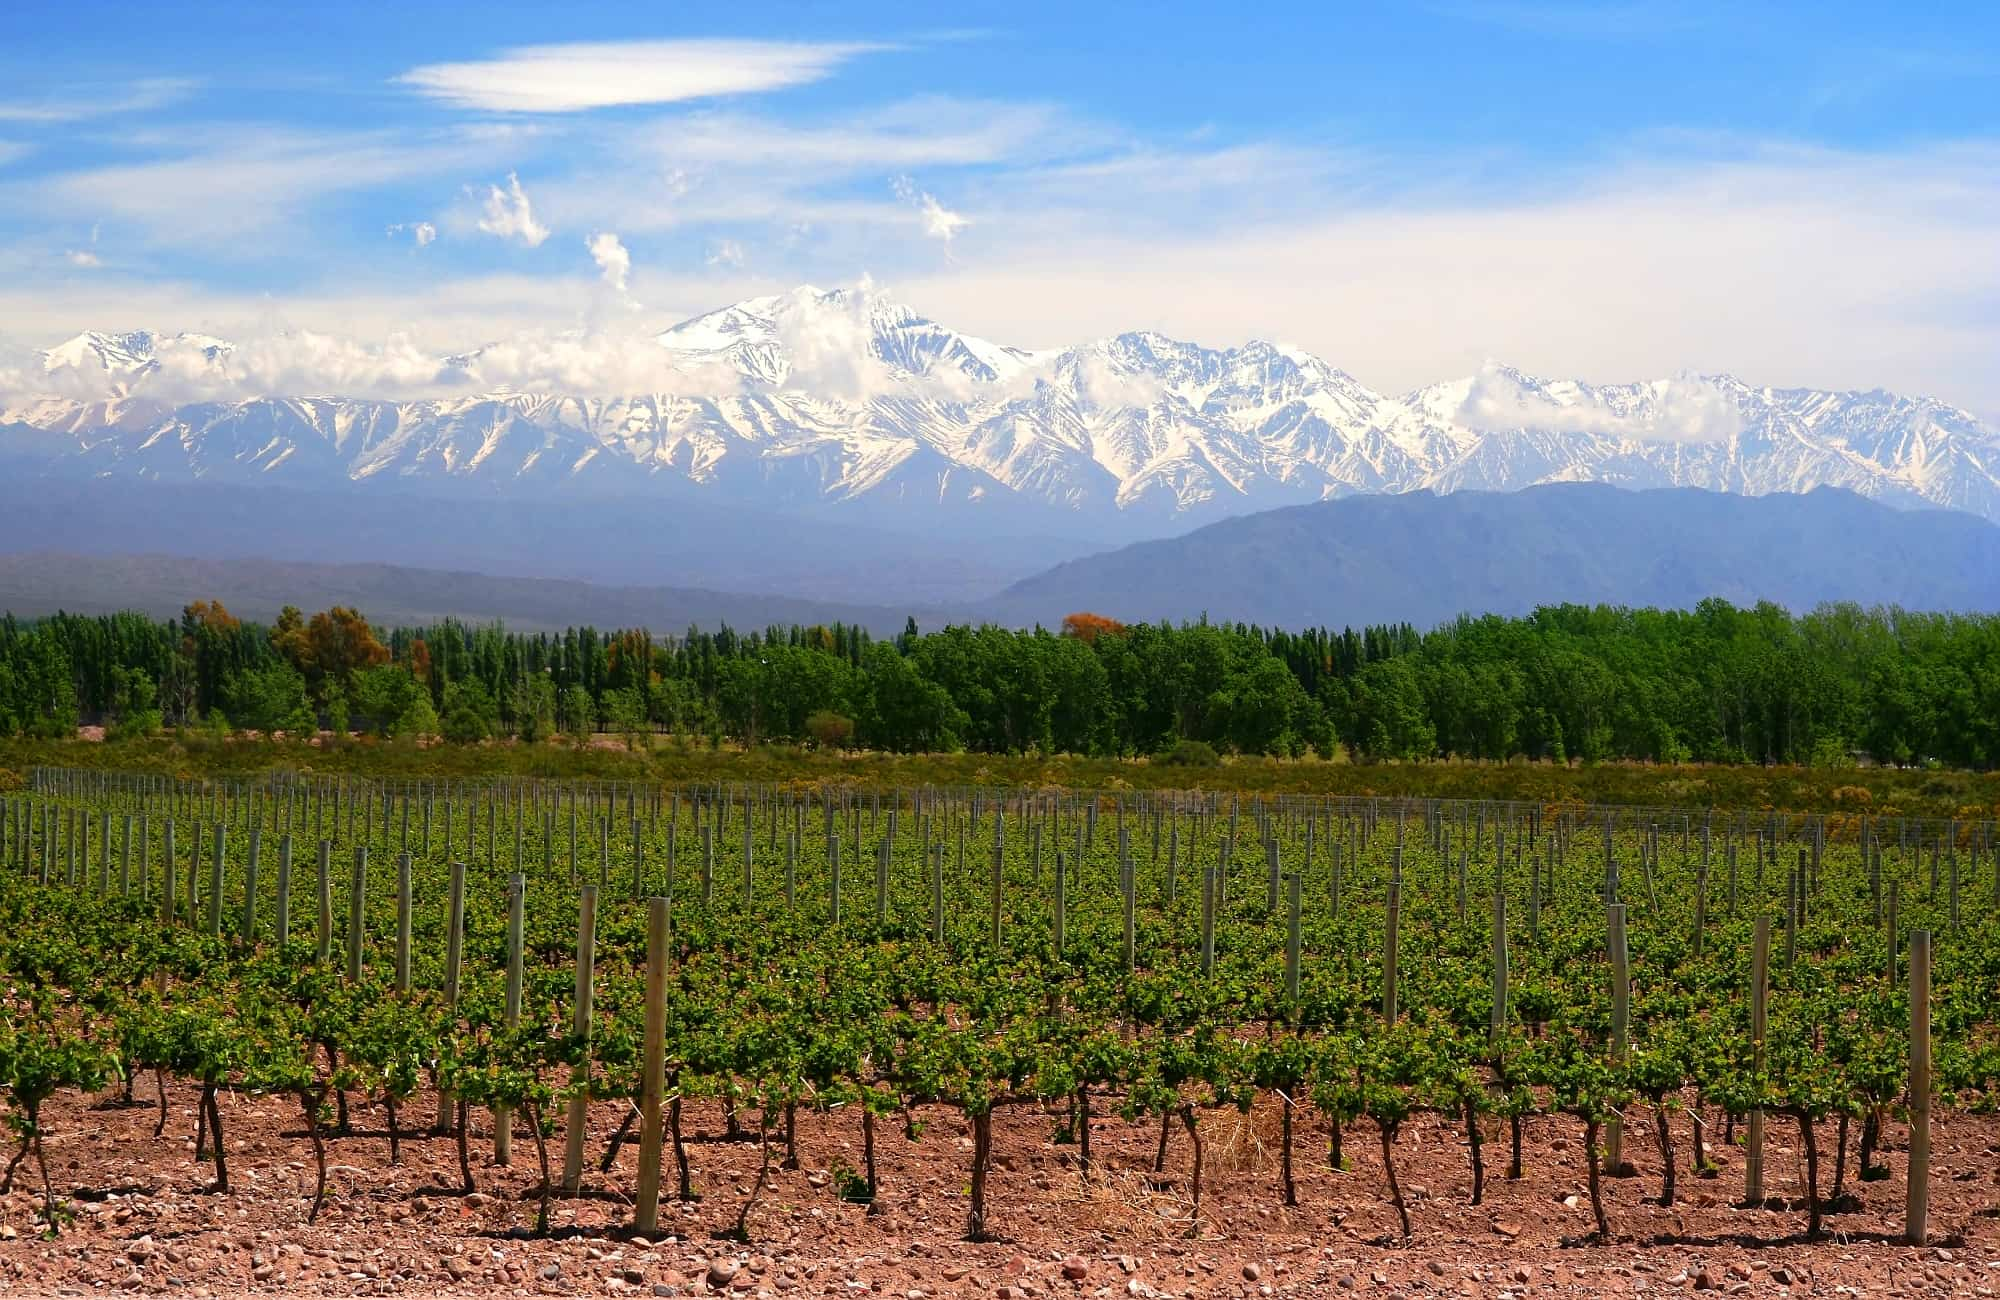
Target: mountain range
point(1424, 558)
point(845, 403)
point(1414, 557)
point(44, 582)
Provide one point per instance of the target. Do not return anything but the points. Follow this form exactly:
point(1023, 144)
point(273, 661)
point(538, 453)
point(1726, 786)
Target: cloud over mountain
point(847, 398)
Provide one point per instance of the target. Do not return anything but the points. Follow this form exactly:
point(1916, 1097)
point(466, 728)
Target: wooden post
point(1500, 959)
point(405, 906)
point(1700, 905)
point(1917, 1203)
point(1873, 853)
point(791, 868)
point(833, 878)
point(1128, 886)
point(517, 897)
point(579, 1104)
point(708, 864)
point(1208, 892)
point(997, 888)
point(1621, 1027)
point(167, 869)
point(934, 855)
point(1753, 1144)
point(1062, 902)
point(284, 917)
point(881, 881)
point(325, 902)
point(1392, 926)
point(1794, 889)
point(1292, 939)
point(638, 863)
point(653, 1069)
point(1460, 865)
point(357, 898)
point(1895, 903)
point(249, 929)
point(214, 880)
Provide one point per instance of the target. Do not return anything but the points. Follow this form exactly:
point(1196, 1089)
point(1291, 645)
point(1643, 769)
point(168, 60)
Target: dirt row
point(140, 1216)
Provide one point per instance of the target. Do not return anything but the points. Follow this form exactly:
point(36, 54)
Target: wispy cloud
point(614, 260)
point(1786, 265)
point(577, 77)
point(742, 170)
point(83, 259)
point(930, 131)
point(1871, 74)
point(508, 214)
point(422, 233)
point(937, 221)
point(247, 181)
point(77, 103)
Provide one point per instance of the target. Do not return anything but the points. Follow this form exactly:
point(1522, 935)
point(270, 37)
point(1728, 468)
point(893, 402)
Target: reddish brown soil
point(143, 1220)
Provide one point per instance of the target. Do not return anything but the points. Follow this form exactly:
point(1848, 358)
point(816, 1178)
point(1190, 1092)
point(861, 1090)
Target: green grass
point(1870, 790)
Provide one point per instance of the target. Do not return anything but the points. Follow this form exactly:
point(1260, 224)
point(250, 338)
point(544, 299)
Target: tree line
point(1718, 683)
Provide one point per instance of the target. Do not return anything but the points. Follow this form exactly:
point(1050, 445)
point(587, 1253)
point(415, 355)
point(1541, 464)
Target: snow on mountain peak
point(845, 394)
point(796, 338)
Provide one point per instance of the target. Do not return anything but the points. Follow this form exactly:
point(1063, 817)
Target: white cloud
point(363, 338)
point(586, 75)
point(736, 170)
point(930, 131)
point(725, 252)
point(1108, 385)
point(276, 359)
point(83, 258)
point(508, 214)
point(614, 261)
point(84, 102)
point(1686, 408)
point(1783, 266)
point(938, 222)
point(422, 233)
point(247, 182)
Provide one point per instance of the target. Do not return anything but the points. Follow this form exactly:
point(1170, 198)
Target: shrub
point(464, 726)
point(418, 721)
point(1190, 753)
point(829, 730)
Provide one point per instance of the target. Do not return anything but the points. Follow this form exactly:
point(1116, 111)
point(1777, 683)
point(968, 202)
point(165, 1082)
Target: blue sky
point(1796, 194)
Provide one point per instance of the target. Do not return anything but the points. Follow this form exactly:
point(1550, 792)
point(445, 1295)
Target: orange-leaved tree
point(1088, 627)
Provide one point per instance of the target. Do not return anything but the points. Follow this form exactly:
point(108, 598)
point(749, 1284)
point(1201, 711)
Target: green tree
point(383, 694)
point(534, 707)
point(269, 699)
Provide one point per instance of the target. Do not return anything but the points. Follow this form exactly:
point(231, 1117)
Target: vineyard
point(549, 981)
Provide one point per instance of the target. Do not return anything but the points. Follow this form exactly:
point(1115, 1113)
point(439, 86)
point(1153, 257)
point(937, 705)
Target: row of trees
point(1717, 683)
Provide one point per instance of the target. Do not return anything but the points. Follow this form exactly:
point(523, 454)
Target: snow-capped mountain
point(120, 361)
point(824, 398)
